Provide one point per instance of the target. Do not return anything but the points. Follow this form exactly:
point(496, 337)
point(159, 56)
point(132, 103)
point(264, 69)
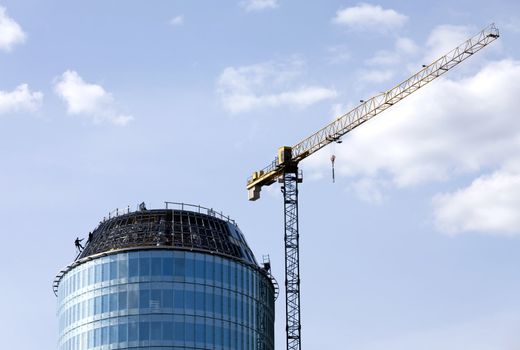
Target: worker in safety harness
point(78, 245)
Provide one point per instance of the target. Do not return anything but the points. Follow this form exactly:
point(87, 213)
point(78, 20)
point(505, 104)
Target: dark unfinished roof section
point(170, 228)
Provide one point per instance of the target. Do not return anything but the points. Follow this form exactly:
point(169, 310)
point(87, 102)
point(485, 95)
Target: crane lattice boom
point(367, 110)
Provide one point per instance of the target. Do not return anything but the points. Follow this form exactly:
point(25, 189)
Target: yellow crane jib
point(291, 156)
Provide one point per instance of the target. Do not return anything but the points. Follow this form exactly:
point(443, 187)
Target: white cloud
point(444, 38)
point(512, 24)
point(447, 129)
point(489, 205)
point(384, 58)
point(403, 47)
point(19, 100)
point(90, 100)
point(375, 76)
point(406, 45)
point(370, 17)
point(10, 32)
point(338, 54)
point(268, 84)
point(177, 21)
point(259, 5)
point(369, 190)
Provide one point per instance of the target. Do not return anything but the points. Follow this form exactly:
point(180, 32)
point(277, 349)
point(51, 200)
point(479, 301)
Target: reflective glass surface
point(165, 299)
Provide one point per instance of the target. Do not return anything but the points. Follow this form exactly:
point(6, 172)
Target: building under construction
point(174, 278)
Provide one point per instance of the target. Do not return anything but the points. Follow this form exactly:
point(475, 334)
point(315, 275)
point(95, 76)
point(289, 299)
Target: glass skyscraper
point(166, 279)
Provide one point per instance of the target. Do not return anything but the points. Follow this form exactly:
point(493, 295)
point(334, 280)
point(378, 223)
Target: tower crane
point(284, 168)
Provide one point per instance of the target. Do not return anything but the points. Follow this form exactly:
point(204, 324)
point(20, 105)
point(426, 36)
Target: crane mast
point(285, 167)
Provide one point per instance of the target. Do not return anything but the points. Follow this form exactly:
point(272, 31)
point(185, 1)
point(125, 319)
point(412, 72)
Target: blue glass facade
point(165, 299)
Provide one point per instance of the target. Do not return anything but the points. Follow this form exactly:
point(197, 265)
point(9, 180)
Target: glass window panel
point(90, 274)
point(240, 272)
point(155, 299)
point(179, 331)
point(225, 305)
point(113, 302)
point(156, 330)
point(98, 273)
point(84, 309)
point(200, 332)
point(209, 299)
point(167, 298)
point(218, 333)
point(83, 277)
point(122, 300)
point(133, 298)
point(144, 298)
point(90, 307)
point(113, 270)
point(190, 299)
point(97, 337)
point(218, 273)
point(122, 332)
point(113, 334)
point(105, 303)
point(246, 282)
point(240, 340)
point(167, 330)
point(90, 338)
point(232, 276)
point(123, 268)
point(199, 301)
point(168, 267)
point(180, 268)
point(240, 317)
point(233, 336)
point(189, 268)
point(232, 306)
point(218, 302)
point(144, 267)
point(105, 272)
point(179, 299)
point(190, 332)
point(225, 273)
point(210, 275)
point(226, 335)
point(156, 266)
point(199, 267)
point(144, 331)
point(133, 267)
point(132, 331)
point(97, 305)
point(209, 332)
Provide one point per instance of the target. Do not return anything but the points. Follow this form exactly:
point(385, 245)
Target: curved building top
point(186, 227)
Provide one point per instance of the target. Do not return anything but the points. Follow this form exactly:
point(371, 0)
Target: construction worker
point(78, 245)
point(90, 237)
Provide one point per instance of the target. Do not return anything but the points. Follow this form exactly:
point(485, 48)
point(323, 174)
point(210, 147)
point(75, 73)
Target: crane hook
point(332, 159)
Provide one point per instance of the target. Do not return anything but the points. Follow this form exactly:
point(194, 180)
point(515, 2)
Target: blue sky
point(107, 104)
